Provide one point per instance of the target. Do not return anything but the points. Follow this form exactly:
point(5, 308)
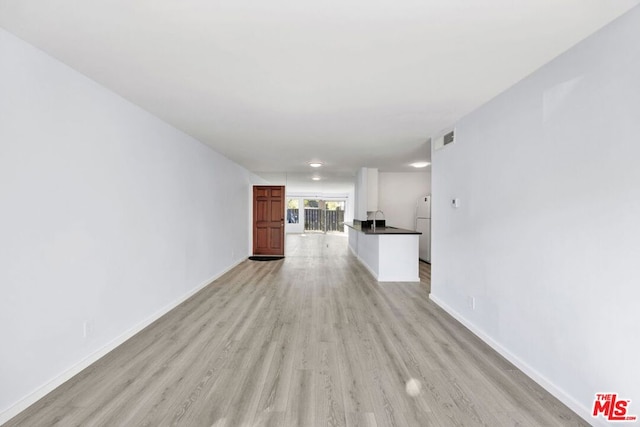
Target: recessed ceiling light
point(316, 178)
point(420, 164)
point(315, 164)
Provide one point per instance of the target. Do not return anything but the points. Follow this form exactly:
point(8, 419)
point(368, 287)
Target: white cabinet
point(390, 258)
point(372, 190)
point(366, 192)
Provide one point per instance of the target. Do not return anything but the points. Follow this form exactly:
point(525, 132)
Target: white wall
point(109, 216)
point(547, 236)
point(398, 193)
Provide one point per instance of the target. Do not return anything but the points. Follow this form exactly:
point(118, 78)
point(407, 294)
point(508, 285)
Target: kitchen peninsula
point(389, 253)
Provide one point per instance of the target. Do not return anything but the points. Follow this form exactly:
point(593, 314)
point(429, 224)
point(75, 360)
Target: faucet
point(375, 214)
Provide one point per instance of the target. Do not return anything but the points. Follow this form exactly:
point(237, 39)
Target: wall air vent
point(444, 138)
point(448, 138)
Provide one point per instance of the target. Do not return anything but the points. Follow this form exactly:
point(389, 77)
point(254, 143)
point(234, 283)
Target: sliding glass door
point(324, 215)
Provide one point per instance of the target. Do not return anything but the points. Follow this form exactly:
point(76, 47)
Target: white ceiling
point(274, 84)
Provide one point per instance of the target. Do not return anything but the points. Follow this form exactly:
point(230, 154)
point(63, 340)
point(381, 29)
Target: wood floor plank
point(301, 404)
point(311, 340)
point(329, 404)
point(355, 392)
point(361, 419)
point(275, 391)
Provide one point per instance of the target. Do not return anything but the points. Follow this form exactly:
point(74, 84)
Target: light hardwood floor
point(311, 340)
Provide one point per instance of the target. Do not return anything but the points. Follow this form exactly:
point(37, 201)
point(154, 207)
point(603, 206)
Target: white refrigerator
point(423, 225)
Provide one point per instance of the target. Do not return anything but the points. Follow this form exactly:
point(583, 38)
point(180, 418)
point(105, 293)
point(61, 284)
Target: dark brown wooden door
point(268, 220)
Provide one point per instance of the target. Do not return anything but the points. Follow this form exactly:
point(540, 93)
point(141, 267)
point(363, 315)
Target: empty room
point(408, 213)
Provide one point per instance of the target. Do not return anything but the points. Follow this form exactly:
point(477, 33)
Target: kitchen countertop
point(381, 230)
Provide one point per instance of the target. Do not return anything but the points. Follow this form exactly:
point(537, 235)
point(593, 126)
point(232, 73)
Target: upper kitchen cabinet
point(372, 190)
point(366, 192)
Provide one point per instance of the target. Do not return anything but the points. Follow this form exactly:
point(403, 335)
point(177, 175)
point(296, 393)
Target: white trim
point(544, 382)
point(385, 280)
point(65, 376)
point(353, 251)
point(364, 264)
point(373, 273)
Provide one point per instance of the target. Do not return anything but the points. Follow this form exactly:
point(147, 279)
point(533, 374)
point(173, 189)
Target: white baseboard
point(364, 264)
point(65, 376)
point(369, 269)
point(412, 280)
point(352, 251)
point(545, 383)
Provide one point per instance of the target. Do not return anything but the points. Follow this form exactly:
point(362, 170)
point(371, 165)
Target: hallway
point(311, 340)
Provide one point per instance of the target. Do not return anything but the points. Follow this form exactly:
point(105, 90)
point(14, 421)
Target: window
point(293, 210)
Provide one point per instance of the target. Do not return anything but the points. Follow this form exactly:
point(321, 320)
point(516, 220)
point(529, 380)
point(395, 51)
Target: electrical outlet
point(85, 329)
point(472, 303)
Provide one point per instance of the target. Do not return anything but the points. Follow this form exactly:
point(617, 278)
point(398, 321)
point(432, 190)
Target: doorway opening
point(324, 216)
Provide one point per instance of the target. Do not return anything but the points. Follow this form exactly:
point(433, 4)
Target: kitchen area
point(390, 233)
